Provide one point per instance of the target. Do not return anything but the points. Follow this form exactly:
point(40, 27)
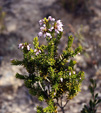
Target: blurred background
point(19, 23)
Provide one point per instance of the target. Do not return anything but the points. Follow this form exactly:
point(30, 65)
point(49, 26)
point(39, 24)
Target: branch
point(65, 103)
point(41, 86)
point(58, 103)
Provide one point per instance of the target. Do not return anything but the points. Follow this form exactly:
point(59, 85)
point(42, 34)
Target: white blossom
point(61, 79)
point(69, 73)
point(37, 51)
point(40, 22)
point(40, 34)
point(44, 35)
point(78, 53)
point(21, 46)
point(49, 35)
point(51, 28)
point(28, 47)
point(73, 72)
point(58, 26)
point(42, 28)
point(51, 19)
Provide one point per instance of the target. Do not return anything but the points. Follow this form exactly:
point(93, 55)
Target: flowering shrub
point(50, 75)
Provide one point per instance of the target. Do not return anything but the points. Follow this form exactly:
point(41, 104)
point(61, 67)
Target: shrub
point(50, 75)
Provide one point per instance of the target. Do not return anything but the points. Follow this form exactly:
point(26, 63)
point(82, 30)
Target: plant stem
point(62, 109)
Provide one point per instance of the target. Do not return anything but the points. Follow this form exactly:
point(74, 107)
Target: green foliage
point(94, 101)
point(50, 75)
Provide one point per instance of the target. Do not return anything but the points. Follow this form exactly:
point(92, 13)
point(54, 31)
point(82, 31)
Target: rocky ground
point(21, 23)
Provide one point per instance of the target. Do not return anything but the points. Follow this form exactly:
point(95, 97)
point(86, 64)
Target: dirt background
point(21, 23)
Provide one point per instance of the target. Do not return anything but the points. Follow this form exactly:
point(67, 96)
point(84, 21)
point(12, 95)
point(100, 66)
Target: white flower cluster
point(21, 46)
point(37, 51)
point(53, 25)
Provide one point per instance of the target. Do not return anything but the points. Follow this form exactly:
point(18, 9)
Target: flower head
point(48, 26)
point(73, 72)
point(41, 22)
point(69, 73)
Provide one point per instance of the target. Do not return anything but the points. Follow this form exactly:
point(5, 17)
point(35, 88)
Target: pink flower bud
point(48, 35)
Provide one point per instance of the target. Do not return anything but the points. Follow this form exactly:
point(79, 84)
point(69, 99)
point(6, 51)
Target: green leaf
point(16, 62)
point(40, 109)
point(70, 41)
point(36, 43)
point(41, 98)
point(20, 76)
point(96, 95)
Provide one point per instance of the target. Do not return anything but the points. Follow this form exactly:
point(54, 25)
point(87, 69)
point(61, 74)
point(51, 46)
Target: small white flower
point(44, 35)
point(28, 47)
point(61, 79)
point(58, 26)
point(54, 93)
point(51, 28)
point(59, 23)
point(51, 19)
point(44, 25)
point(48, 35)
point(35, 50)
point(56, 31)
point(80, 78)
point(40, 34)
point(21, 46)
point(40, 22)
point(39, 51)
point(73, 72)
point(42, 28)
point(69, 73)
point(78, 53)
